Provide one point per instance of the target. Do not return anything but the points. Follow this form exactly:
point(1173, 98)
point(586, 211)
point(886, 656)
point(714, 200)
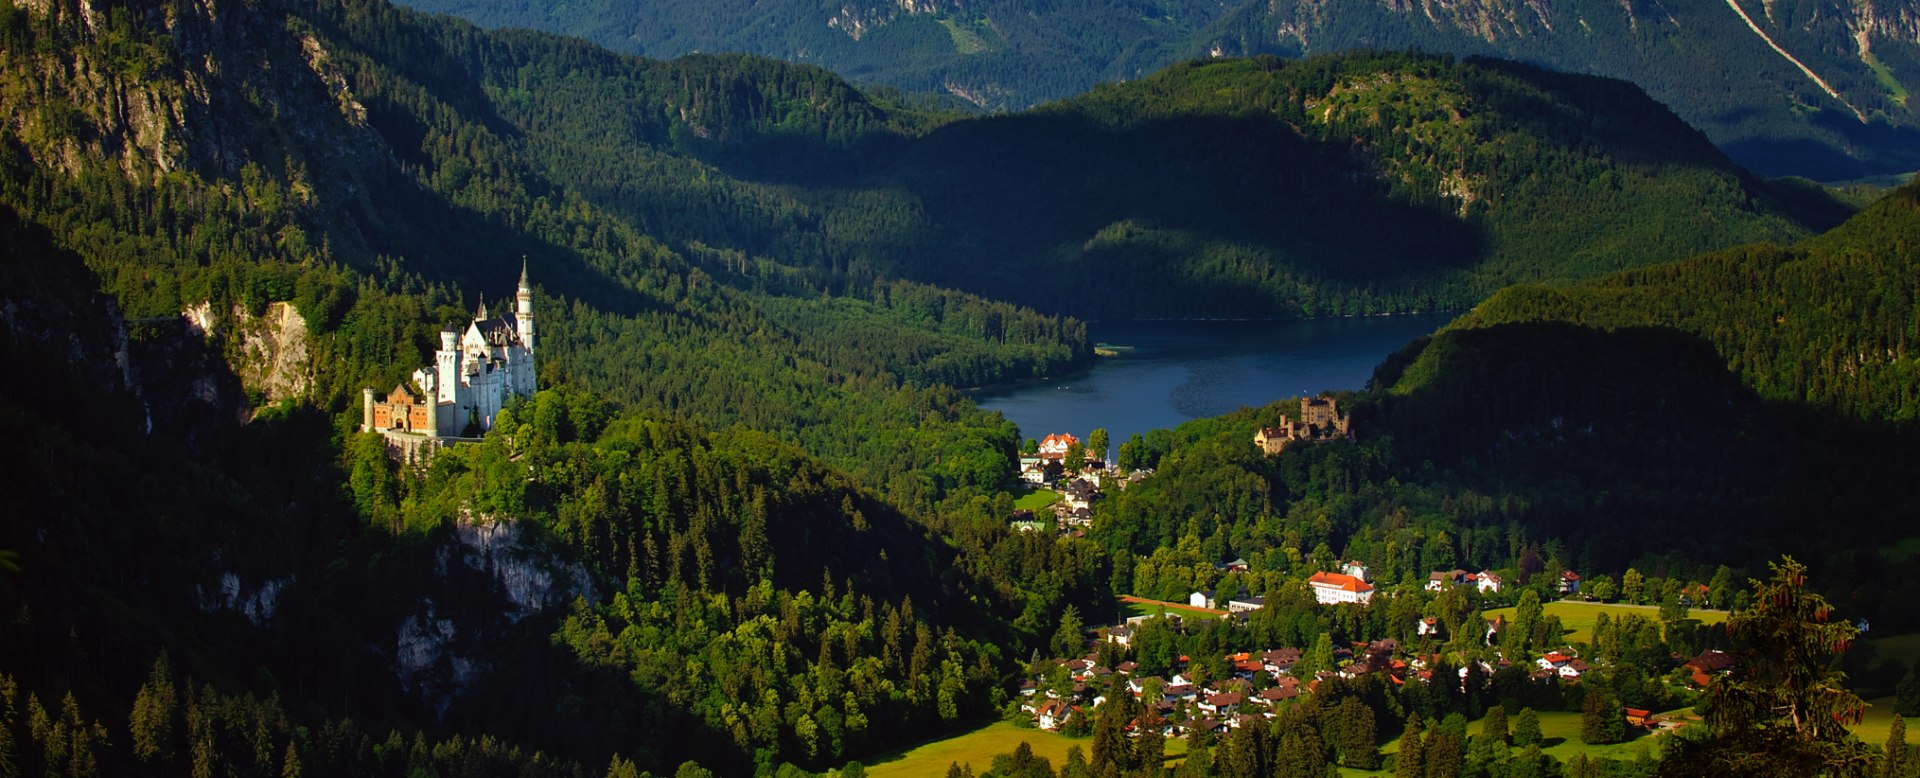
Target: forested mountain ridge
point(342, 158)
point(1673, 418)
point(747, 521)
point(172, 173)
point(1830, 320)
point(1814, 89)
point(1245, 188)
point(1258, 187)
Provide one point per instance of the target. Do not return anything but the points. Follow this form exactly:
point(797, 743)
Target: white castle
point(471, 377)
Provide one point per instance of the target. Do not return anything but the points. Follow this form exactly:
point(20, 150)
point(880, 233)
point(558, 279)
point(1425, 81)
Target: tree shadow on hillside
point(1639, 441)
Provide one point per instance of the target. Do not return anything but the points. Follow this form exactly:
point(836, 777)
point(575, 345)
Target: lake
point(1169, 372)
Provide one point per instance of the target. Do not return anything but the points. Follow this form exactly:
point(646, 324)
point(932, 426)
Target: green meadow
point(1578, 617)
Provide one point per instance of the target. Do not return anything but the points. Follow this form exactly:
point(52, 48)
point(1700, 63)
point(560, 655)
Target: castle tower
point(523, 373)
point(523, 308)
point(447, 367)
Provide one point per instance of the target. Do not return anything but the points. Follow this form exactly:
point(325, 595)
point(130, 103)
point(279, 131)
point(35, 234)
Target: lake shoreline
point(1265, 319)
point(1163, 373)
point(1092, 362)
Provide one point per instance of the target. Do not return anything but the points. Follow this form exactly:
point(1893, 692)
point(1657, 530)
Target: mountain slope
point(1813, 89)
point(1257, 187)
point(1830, 320)
point(1705, 412)
point(1242, 188)
point(175, 178)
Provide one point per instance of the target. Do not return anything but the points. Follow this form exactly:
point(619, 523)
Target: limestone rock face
point(268, 353)
point(439, 655)
point(532, 578)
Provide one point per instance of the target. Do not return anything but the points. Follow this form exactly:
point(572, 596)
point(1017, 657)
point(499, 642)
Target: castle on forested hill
point(1320, 419)
point(471, 378)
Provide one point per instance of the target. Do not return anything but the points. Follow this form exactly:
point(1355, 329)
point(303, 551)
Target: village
point(1060, 464)
point(1207, 696)
point(1213, 696)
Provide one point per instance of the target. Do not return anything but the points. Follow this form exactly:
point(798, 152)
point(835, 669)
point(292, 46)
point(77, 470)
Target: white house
point(1055, 446)
point(1337, 588)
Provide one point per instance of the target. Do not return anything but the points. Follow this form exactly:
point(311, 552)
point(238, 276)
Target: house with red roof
point(1704, 668)
point(1055, 446)
point(1337, 588)
point(1569, 582)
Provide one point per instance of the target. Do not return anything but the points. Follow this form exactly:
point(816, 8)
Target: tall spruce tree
point(1494, 724)
point(1782, 710)
point(1411, 762)
point(1446, 754)
point(1906, 700)
point(1602, 721)
point(1895, 765)
point(154, 708)
point(1526, 729)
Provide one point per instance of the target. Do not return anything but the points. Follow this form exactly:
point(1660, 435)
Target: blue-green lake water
point(1169, 372)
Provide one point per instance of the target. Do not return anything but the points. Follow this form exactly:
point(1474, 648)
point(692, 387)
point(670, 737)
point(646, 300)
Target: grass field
point(1901, 648)
point(1561, 730)
point(1578, 617)
point(1134, 606)
point(978, 748)
point(1902, 550)
point(1036, 499)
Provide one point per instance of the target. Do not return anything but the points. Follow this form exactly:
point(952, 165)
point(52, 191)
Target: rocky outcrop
point(268, 352)
point(532, 578)
point(439, 656)
point(856, 19)
point(257, 603)
point(426, 660)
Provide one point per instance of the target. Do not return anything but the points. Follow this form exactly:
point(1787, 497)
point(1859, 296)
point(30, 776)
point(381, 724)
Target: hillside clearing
point(1579, 617)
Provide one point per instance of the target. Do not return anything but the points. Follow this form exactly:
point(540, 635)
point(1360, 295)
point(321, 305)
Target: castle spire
point(481, 315)
point(523, 274)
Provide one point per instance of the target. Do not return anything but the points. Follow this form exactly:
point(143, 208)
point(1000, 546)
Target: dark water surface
point(1169, 372)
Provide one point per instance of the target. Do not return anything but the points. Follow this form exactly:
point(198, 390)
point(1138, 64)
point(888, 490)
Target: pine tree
point(1353, 733)
point(1494, 725)
point(1602, 720)
point(9, 720)
point(1198, 764)
point(1411, 761)
point(1067, 640)
point(1896, 751)
point(1782, 710)
point(1317, 658)
point(1076, 766)
point(622, 768)
point(153, 711)
point(1239, 755)
point(1526, 729)
point(290, 763)
point(1110, 744)
point(1906, 700)
point(1446, 756)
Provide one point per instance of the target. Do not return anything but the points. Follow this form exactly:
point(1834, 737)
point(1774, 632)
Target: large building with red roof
point(1336, 588)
